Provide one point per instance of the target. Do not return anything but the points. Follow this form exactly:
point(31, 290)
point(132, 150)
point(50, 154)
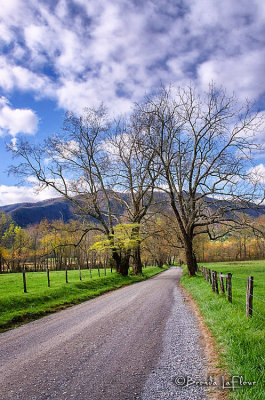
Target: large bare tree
point(204, 145)
point(76, 165)
point(134, 176)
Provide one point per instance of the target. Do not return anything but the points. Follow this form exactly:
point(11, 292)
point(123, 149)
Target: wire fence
point(232, 287)
point(262, 283)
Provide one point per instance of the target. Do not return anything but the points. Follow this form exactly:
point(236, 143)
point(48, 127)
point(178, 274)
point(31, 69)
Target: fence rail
point(212, 278)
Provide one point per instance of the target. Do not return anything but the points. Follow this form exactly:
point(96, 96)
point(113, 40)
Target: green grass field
point(17, 307)
point(240, 340)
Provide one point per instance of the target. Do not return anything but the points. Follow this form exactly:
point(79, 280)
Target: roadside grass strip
point(240, 340)
point(17, 307)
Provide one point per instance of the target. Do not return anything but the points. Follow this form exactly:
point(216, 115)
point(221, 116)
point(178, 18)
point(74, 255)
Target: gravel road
point(124, 345)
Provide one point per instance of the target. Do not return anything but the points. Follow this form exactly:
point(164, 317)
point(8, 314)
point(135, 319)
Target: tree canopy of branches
point(98, 165)
point(204, 146)
point(132, 167)
point(196, 148)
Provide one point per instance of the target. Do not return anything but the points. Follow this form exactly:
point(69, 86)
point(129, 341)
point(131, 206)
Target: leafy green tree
point(125, 239)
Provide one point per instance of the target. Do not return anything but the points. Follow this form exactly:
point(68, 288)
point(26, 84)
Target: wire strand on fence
point(263, 283)
point(244, 304)
point(257, 313)
point(236, 277)
point(243, 291)
point(239, 290)
point(237, 301)
point(257, 298)
point(245, 279)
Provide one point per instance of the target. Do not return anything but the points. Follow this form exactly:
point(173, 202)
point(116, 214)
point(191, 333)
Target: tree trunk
point(124, 269)
point(117, 260)
point(137, 267)
point(195, 262)
point(121, 262)
point(190, 258)
point(137, 260)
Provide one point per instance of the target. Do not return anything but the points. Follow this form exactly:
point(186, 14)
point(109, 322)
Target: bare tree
point(204, 145)
point(134, 177)
point(76, 165)
point(161, 238)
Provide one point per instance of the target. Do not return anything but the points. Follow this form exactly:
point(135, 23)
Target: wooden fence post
point(48, 276)
point(229, 287)
point(210, 277)
point(221, 283)
point(66, 276)
point(213, 281)
point(249, 299)
point(216, 282)
point(24, 280)
point(80, 276)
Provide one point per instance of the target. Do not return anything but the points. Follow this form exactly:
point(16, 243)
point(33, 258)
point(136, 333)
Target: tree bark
point(137, 260)
point(117, 260)
point(121, 262)
point(190, 258)
point(195, 262)
point(124, 266)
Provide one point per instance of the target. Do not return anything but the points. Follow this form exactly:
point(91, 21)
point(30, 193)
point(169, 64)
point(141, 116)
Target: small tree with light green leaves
point(125, 238)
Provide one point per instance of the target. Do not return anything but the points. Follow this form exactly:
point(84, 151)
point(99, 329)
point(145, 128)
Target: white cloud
point(14, 143)
point(241, 74)
point(14, 121)
point(116, 52)
point(14, 76)
point(257, 174)
point(19, 194)
point(5, 35)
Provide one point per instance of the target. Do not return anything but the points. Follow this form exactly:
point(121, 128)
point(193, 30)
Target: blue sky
point(59, 55)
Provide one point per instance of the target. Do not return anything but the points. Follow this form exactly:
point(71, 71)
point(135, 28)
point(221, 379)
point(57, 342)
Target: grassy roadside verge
point(17, 307)
point(240, 341)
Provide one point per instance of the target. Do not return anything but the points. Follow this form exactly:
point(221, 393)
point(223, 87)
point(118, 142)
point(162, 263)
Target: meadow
point(17, 307)
point(240, 340)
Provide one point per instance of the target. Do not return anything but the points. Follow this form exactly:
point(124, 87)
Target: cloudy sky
point(59, 55)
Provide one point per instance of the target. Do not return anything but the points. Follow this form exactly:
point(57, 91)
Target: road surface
point(103, 349)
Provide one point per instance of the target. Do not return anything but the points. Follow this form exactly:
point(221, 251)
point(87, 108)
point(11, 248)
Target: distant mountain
point(25, 214)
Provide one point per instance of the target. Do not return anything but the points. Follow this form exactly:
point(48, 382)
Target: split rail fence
point(223, 284)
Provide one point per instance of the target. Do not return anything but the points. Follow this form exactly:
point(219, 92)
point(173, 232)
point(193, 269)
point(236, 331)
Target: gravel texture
point(181, 358)
point(106, 348)
point(102, 349)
